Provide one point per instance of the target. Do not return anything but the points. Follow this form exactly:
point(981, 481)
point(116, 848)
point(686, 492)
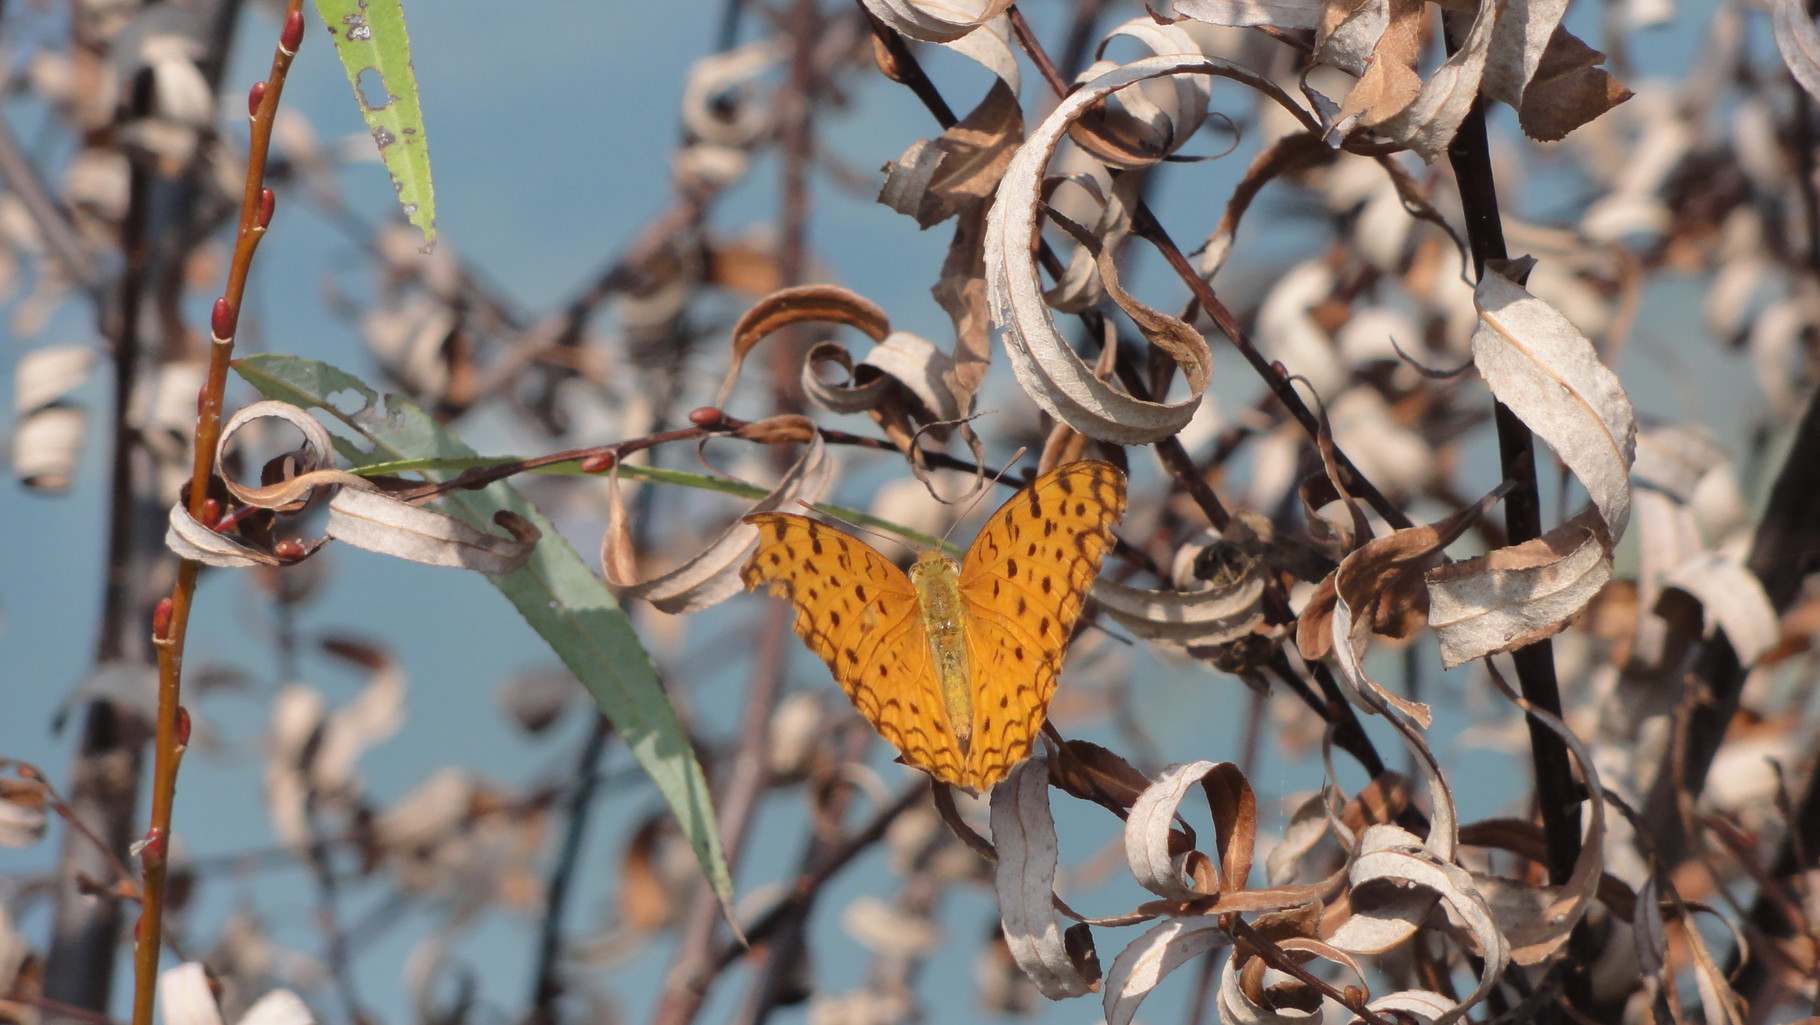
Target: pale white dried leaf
point(1211, 616)
point(167, 42)
point(1147, 830)
point(1674, 459)
point(1395, 457)
point(189, 539)
point(1777, 345)
point(1536, 362)
point(1287, 332)
point(990, 46)
point(1419, 878)
point(1309, 824)
point(1282, 14)
point(47, 441)
point(1236, 1008)
point(730, 75)
point(936, 21)
point(370, 717)
point(712, 576)
point(1798, 41)
point(1429, 123)
point(1147, 960)
point(184, 997)
point(1516, 48)
point(907, 178)
point(903, 358)
point(1155, 117)
point(279, 1007)
point(49, 373)
point(884, 929)
point(1545, 916)
point(798, 729)
point(428, 811)
point(380, 523)
point(537, 698)
point(1511, 597)
point(1350, 44)
point(23, 819)
point(1417, 1006)
point(1023, 831)
point(1045, 364)
point(1734, 601)
point(298, 713)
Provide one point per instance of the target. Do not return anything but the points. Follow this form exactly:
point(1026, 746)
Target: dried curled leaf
point(1046, 365)
point(712, 576)
point(936, 179)
point(1379, 589)
point(1216, 615)
point(977, 29)
point(1544, 369)
point(48, 430)
point(359, 514)
point(1147, 960)
point(1138, 126)
point(1023, 831)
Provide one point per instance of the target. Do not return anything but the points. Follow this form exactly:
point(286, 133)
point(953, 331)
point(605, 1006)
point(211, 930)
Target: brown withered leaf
point(959, 170)
point(1390, 82)
point(1384, 589)
point(803, 304)
point(1568, 89)
point(1092, 773)
point(644, 894)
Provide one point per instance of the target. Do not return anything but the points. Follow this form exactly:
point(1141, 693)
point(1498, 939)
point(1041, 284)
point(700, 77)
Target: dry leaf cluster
point(1379, 421)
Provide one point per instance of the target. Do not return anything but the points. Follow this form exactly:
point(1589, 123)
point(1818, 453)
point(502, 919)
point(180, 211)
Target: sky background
point(551, 127)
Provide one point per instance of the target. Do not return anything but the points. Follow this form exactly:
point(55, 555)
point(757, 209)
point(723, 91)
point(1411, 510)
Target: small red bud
point(137, 923)
point(268, 202)
point(292, 36)
point(222, 318)
point(151, 848)
point(211, 512)
point(161, 619)
point(599, 463)
point(707, 416)
point(253, 98)
point(288, 550)
point(183, 726)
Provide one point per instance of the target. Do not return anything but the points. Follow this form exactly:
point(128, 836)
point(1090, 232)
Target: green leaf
point(375, 51)
point(564, 601)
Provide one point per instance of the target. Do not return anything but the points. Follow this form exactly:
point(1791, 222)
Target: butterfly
point(954, 663)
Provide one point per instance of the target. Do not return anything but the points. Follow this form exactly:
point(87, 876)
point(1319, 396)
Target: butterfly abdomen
point(936, 578)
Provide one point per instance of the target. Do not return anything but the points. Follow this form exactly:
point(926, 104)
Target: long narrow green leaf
point(564, 601)
point(375, 51)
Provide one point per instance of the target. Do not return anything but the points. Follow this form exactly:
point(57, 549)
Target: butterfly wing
point(859, 613)
point(1022, 585)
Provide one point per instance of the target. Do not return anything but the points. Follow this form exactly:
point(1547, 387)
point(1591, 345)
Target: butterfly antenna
point(968, 511)
point(857, 528)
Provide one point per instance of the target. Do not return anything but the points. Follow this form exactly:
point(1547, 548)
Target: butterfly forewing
point(1023, 584)
point(859, 613)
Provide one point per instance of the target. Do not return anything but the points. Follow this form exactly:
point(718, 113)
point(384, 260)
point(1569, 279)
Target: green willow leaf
point(564, 601)
point(375, 51)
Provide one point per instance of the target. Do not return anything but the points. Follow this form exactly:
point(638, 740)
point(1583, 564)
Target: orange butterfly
point(953, 663)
